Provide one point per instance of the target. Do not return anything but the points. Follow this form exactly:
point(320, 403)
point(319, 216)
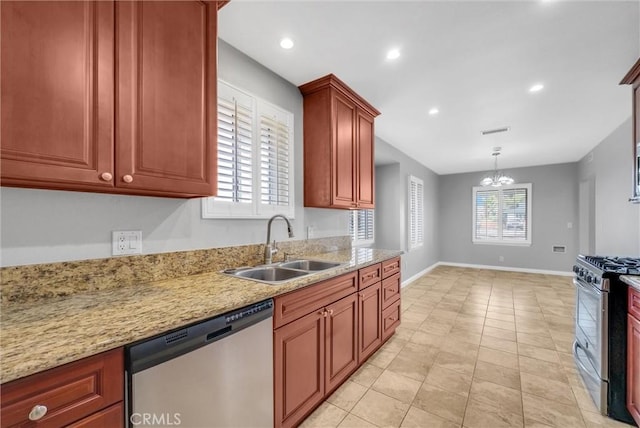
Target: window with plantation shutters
point(361, 227)
point(502, 215)
point(255, 158)
point(275, 158)
point(416, 212)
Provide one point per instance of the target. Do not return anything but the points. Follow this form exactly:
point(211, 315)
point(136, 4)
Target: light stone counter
point(633, 281)
point(42, 334)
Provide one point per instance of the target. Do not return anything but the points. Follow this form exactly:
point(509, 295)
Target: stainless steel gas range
point(600, 347)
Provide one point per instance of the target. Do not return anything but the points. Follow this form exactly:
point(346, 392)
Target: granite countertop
point(40, 335)
point(633, 281)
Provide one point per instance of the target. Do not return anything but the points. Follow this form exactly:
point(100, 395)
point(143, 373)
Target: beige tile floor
point(476, 349)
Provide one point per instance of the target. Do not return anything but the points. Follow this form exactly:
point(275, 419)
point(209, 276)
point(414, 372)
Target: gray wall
point(392, 182)
point(41, 226)
point(554, 205)
point(613, 224)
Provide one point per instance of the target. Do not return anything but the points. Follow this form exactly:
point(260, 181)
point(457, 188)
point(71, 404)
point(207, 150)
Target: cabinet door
point(343, 156)
point(365, 155)
point(633, 368)
point(57, 94)
point(341, 347)
point(166, 109)
point(298, 368)
point(370, 325)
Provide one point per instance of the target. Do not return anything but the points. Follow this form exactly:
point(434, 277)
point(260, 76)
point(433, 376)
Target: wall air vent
point(495, 131)
point(559, 249)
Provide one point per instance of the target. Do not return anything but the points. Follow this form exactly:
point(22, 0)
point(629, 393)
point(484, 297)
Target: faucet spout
point(269, 251)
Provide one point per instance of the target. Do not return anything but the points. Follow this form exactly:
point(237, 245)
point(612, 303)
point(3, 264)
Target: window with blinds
point(502, 215)
point(416, 212)
point(255, 158)
point(361, 227)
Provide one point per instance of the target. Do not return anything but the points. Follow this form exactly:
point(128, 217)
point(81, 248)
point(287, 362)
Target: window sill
point(503, 243)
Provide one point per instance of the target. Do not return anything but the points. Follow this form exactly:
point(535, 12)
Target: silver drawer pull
point(37, 412)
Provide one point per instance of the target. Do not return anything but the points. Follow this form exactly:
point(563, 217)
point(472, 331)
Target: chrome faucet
point(270, 250)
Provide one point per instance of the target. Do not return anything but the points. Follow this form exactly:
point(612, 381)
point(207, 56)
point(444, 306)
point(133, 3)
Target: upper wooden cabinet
point(82, 112)
point(633, 78)
point(338, 146)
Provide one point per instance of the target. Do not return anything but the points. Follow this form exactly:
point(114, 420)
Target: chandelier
point(497, 178)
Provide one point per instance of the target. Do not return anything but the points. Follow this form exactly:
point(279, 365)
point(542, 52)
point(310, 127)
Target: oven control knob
point(589, 278)
point(576, 269)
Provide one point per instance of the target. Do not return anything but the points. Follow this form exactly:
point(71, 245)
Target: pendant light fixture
point(498, 178)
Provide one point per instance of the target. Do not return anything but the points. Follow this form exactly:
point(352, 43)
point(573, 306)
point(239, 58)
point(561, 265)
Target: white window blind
point(275, 157)
point(255, 158)
point(416, 212)
point(502, 216)
point(361, 227)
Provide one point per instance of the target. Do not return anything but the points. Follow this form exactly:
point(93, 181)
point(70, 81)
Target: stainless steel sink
point(281, 272)
point(309, 265)
point(270, 274)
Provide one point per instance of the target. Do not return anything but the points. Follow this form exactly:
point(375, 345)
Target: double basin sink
point(281, 272)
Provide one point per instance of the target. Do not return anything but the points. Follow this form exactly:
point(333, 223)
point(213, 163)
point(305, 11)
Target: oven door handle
point(584, 368)
point(587, 288)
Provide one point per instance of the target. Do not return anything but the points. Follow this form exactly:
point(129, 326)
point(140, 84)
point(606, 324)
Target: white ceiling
point(474, 60)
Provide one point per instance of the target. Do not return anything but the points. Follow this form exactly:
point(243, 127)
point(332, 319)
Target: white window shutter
point(361, 227)
point(416, 212)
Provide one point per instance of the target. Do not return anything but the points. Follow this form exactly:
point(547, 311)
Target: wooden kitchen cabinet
point(338, 146)
point(88, 392)
point(370, 313)
point(633, 355)
point(633, 78)
point(315, 341)
point(341, 347)
point(66, 124)
point(324, 332)
point(299, 364)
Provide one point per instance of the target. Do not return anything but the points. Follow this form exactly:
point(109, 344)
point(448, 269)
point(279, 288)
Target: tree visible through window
point(502, 215)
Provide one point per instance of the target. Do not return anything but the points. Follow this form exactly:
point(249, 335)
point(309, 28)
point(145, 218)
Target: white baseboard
point(418, 275)
point(504, 268)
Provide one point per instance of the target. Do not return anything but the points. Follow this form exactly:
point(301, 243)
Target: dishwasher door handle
point(218, 333)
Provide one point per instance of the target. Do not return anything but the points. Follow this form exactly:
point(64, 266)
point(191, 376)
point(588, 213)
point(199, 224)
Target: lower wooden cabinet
point(370, 325)
point(341, 343)
point(633, 358)
point(79, 392)
point(299, 365)
point(324, 332)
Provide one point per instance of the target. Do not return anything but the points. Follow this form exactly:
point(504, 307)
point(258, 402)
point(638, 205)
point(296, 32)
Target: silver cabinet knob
point(37, 412)
point(127, 178)
point(106, 176)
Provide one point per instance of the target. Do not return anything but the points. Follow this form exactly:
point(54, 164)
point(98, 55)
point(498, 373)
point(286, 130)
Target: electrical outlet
point(125, 242)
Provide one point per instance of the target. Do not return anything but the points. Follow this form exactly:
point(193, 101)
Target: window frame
point(354, 219)
point(417, 241)
point(215, 208)
point(500, 240)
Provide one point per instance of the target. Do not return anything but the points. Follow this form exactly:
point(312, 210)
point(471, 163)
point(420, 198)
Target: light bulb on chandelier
point(497, 178)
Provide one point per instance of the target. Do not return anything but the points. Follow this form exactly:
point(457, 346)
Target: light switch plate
point(126, 242)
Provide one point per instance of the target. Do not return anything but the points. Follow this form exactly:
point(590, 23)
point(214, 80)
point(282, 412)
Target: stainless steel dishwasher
point(217, 373)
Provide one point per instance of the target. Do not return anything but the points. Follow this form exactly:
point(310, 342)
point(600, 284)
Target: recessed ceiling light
point(434, 111)
point(536, 88)
point(393, 54)
point(286, 43)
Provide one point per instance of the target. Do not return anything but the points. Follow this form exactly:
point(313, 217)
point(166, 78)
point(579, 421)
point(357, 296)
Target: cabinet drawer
point(390, 319)
point(296, 304)
point(634, 302)
point(113, 417)
point(369, 275)
point(70, 392)
point(390, 290)
point(390, 267)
